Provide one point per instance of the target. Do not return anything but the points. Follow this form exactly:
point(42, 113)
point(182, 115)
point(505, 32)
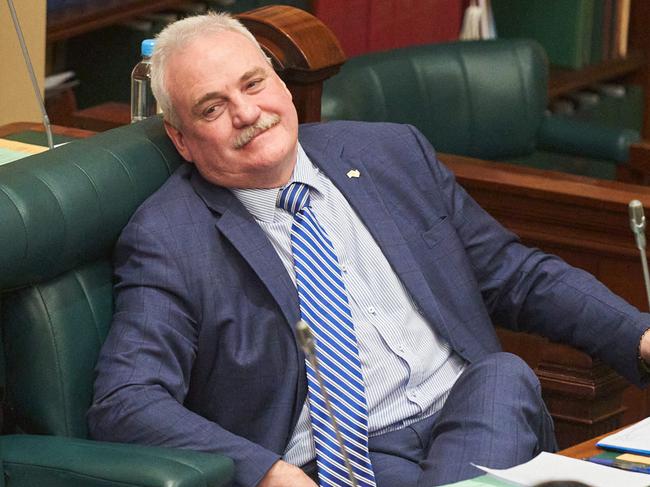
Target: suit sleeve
point(144, 368)
point(525, 289)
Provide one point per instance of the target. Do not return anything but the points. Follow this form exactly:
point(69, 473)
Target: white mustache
point(249, 133)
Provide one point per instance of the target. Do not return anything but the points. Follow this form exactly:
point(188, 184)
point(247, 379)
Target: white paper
point(633, 438)
point(55, 80)
point(546, 467)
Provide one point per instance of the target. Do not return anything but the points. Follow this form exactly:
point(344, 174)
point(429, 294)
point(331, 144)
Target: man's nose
point(243, 111)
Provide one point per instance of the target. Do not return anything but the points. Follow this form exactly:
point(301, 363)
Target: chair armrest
point(57, 462)
point(586, 139)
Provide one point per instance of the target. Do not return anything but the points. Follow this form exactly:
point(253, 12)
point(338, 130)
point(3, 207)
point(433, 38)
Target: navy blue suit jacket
point(202, 352)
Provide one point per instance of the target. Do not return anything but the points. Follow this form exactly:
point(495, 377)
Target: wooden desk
point(17, 127)
point(585, 449)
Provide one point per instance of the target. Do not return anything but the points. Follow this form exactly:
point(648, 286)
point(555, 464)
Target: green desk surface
point(37, 138)
point(482, 481)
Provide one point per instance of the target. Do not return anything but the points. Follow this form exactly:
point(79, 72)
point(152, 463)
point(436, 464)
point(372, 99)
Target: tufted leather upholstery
point(61, 213)
point(483, 99)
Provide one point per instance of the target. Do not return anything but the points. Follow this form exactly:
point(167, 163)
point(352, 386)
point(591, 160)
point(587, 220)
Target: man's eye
point(256, 83)
point(212, 111)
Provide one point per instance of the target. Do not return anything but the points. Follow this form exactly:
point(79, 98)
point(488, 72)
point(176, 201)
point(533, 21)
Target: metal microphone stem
point(646, 276)
point(30, 69)
point(637, 225)
point(308, 344)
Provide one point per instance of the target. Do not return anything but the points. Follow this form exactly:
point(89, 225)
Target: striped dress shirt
point(408, 369)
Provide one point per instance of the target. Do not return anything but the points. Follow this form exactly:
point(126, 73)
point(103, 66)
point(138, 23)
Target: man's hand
point(283, 474)
point(644, 347)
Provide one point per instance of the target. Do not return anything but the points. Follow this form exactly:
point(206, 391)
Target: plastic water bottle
point(143, 104)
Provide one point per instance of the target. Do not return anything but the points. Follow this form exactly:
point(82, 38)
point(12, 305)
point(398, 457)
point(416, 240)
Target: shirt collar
point(261, 203)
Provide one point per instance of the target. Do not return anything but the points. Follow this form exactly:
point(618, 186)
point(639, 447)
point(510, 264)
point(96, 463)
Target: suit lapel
point(363, 196)
point(240, 228)
point(243, 232)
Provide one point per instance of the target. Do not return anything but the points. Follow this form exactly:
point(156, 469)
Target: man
point(396, 270)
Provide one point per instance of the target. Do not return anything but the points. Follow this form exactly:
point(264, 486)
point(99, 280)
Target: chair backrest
point(481, 98)
point(61, 213)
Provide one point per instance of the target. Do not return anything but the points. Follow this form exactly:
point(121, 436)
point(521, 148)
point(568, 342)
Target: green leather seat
point(61, 213)
point(484, 99)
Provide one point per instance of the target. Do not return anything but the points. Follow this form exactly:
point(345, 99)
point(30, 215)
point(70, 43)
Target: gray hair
point(178, 35)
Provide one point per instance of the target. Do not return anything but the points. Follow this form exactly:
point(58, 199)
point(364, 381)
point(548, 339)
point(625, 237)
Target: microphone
point(30, 70)
point(637, 225)
point(308, 344)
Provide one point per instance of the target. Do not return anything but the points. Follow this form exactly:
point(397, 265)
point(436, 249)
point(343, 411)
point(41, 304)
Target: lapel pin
point(353, 173)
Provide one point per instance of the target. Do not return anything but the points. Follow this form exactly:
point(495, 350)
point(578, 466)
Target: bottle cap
point(147, 47)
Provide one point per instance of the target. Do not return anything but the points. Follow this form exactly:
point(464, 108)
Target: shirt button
point(401, 348)
point(372, 310)
point(344, 268)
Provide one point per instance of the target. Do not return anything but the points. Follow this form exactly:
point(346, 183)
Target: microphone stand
point(30, 69)
point(646, 277)
point(308, 344)
point(637, 224)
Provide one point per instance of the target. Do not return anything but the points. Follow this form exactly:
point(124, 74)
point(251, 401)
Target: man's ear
point(178, 140)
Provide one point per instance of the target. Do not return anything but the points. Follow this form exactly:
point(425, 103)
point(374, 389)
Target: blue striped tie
point(324, 307)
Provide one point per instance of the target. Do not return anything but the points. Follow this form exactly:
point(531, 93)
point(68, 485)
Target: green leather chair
point(61, 213)
point(484, 99)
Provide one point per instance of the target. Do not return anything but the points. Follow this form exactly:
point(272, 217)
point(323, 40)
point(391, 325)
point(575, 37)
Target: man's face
point(237, 121)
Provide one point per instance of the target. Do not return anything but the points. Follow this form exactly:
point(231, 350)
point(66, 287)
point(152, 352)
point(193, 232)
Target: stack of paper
point(635, 439)
point(10, 150)
point(547, 467)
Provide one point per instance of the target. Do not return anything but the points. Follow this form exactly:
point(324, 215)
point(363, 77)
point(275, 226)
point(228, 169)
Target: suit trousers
point(494, 416)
